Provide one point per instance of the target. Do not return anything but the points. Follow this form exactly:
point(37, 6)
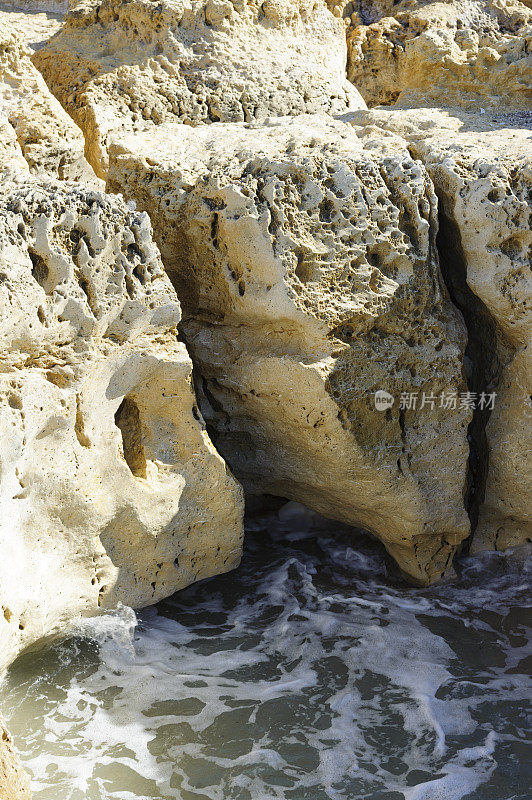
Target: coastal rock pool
point(311, 673)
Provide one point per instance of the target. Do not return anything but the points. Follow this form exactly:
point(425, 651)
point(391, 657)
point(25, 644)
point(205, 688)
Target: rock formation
point(14, 783)
point(481, 166)
point(119, 66)
point(111, 489)
point(50, 141)
point(307, 270)
point(467, 53)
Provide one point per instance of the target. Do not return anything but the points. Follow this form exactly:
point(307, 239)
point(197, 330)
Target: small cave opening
point(481, 356)
point(39, 269)
point(127, 419)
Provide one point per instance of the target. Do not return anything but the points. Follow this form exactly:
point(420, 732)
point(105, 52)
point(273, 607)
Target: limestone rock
point(111, 490)
point(481, 166)
point(124, 65)
point(14, 783)
point(467, 53)
point(50, 142)
point(307, 271)
point(31, 22)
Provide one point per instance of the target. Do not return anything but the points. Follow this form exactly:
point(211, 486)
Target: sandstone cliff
point(308, 273)
point(481, 167)
point(111, 489)
point(469, 52)
point(50, 141)
point(122, 66)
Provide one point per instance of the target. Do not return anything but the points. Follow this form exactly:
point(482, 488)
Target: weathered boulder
point(308, 275)
point(122, 65)
point(51, 143)
point(110, 488)
point(14, 783)
point(468, 53)
point(481, 166)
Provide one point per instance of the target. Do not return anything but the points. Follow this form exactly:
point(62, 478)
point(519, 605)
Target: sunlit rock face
point(120, 66)
point(14, 783)
point(51, 143)
point(468, 53)
point(481, 167)
point(111, 490)
point(307, 270)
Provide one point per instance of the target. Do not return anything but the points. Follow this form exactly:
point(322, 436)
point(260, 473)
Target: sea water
point(310, 673)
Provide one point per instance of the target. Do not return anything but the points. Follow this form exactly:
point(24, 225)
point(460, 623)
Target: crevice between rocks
point(481, 361)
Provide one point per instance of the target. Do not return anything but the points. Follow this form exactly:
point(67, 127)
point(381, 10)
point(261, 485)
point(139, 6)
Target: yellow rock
point(481, 165)
point(473, 53)
point(307, 270)
point(111, 490)
point(14, 783)
point(120, 66)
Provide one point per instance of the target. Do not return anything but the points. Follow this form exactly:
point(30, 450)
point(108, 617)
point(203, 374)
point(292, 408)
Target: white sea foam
point(307, 675)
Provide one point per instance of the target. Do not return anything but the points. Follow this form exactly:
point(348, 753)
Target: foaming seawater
point(308, 674)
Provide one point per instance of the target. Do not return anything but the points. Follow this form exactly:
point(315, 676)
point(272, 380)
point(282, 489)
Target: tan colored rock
point(110, 488)
point(50, 142)
point(481, 166)
point(14, 783)
point(120, 66)
point(307, 270)
point(466, 53)
point(34, 25)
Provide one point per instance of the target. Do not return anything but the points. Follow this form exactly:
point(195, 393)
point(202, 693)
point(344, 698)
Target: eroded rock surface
point(14, 783)
point(33, 25)
point(119, 66)
point(307, 269)
point(111, 490)
point(51, 143)
point(481, 166)
point(467, 53)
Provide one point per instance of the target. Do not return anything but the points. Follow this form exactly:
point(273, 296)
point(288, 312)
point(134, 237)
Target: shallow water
point(308, 674)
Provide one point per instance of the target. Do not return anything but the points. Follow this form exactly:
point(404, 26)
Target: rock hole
point(79, 426)
point(127, 419)
point(39, 269)
point(15, 401)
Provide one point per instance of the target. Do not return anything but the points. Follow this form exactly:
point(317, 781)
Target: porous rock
point(481, 166)
point(111, 490)
point(466, 53)
point(14, 783)
point(50, 142)
point(307, 270)
point(123, 65)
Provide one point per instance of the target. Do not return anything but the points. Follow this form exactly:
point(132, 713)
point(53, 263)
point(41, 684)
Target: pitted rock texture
point(49, 140)
point(33, 25)
point(308, 275)
point(14, 783)
point(119, 66)
point(466, 53)
point(111, 490)
point(481, 166)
